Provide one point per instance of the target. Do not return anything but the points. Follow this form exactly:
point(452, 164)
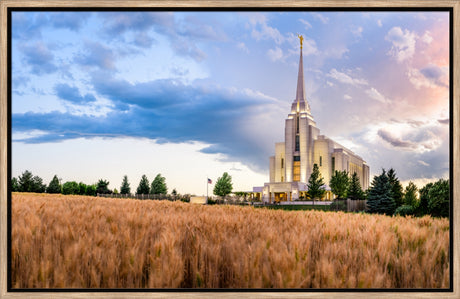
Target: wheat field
point(86, 242)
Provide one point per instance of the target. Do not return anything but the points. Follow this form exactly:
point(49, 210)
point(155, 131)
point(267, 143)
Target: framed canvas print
point(231, 149)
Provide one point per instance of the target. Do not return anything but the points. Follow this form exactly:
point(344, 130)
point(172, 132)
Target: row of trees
point(341, 184)
point(27, 182)
point(386, 194)
point(158, 186)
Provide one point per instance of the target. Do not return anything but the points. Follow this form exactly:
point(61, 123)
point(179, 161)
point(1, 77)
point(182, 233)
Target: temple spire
point(300, 95)
point(300, 99)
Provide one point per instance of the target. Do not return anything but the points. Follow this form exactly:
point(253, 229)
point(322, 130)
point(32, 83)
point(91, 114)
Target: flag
point(209, 181)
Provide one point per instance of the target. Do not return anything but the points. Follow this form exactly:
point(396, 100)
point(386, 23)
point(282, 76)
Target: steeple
point(300, 103)
point(300, 95)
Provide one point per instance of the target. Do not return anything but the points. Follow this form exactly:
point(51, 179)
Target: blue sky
point(194, 94)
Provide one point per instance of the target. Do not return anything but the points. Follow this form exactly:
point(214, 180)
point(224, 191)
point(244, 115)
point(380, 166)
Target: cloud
point(430, 76)
point(423, 163)
point(163, 110)
point(344, 78)
point(262, 31)
point(320, 17)
point(275, 54)
point(376, 95)
point(116, 23)
point(347, 97)
point(242, 46)
point(357, 31)
point(72, 94)
point(306, 23)
point(419, 140)
point(379, 23)
point(96, 55)
point(143, 40)
point(426, 38)
point(39, 58)
point(403, 43)
point(444, 121)
point(69, 20)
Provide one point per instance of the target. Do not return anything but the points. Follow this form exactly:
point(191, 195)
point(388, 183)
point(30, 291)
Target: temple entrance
point(280, 196)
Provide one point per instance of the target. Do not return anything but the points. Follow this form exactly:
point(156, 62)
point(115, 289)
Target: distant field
point(86, 242)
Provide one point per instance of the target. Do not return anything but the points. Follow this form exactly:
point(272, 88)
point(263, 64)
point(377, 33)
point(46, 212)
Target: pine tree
point(158, 185)
point(223, 186)
point(339, 184)
point(102, 187)
point(14, 185)
point(380, 198)
point(410, 196)
point(125, 188)
point(354, 189)
point(316, 184)
point(25, 182)
point(396, 188)
point(143, 187)
point(54, 186)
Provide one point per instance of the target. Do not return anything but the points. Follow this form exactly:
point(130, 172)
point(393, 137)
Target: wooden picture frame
point(4, 154)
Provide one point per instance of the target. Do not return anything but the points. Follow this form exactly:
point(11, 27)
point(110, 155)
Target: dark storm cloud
point(165, 110)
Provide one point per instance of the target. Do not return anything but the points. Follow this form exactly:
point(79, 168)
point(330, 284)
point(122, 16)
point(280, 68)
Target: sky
point(190, 95)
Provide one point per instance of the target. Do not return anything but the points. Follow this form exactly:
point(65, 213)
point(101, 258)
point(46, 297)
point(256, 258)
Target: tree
point(438, 199)
point(70, 188)
point(25, 182)
point(423, 205)
point(410, 196)
point(354, 189)
point(174, 193)
point(158, 185)
point(125, 188)
point(37, 185)
point(223, 186)
point(82, 188)
point(316, 184)
point(14, 185)
point(396, 187)
point(102, 187)
point(91, 190)
point(54, 186)
point(379, 199)
point(29, 183)
point(115, 191)
point(339, 184)
point(143, 187)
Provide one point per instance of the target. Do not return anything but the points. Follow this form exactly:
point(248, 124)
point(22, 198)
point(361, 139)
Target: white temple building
point(303, 146)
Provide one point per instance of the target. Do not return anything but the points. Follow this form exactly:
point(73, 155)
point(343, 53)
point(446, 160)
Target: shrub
point(405, 210)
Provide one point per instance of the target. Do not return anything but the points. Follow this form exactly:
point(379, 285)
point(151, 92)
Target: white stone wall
point(304, 136)
point(272, 169)
point(322, 153)
point(280, 162)
point(289, 147)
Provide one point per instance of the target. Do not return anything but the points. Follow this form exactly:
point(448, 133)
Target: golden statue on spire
point(301, 40)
